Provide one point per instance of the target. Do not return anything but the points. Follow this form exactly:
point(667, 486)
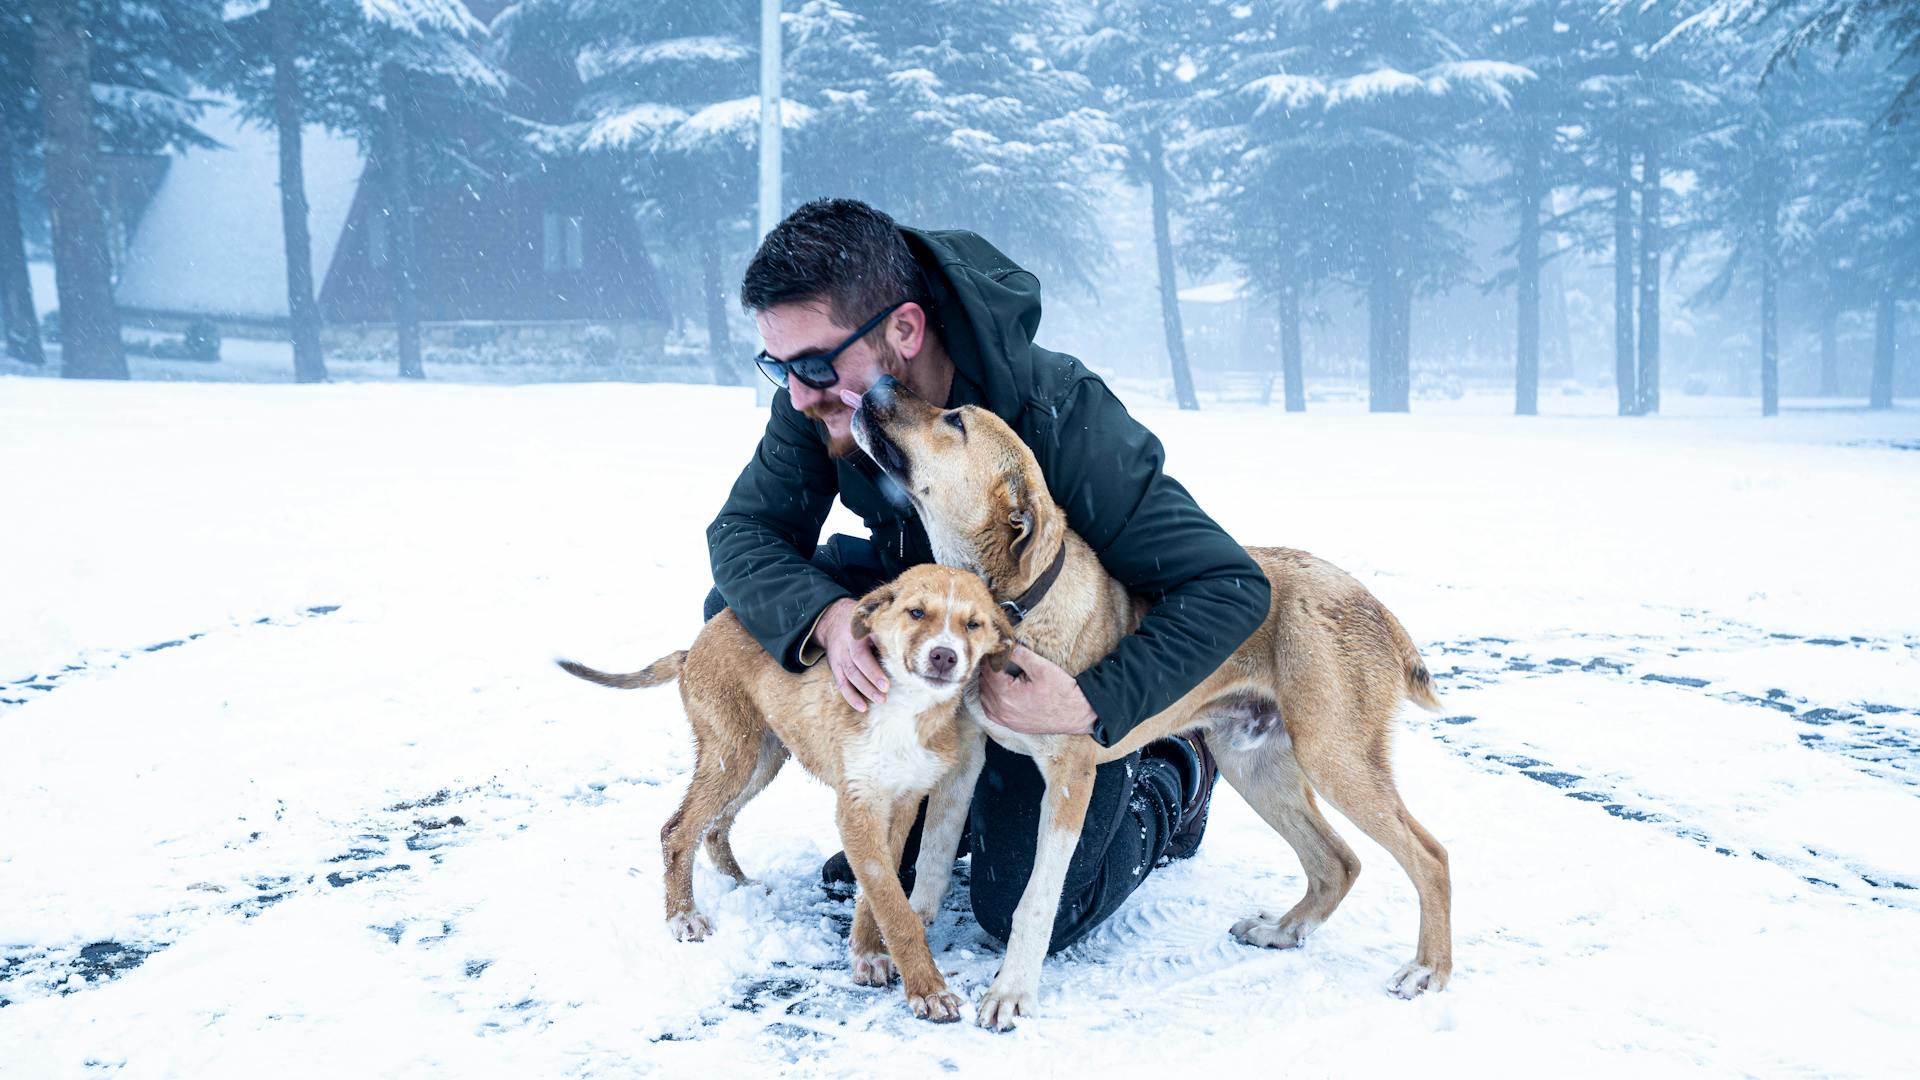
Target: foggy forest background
point(1387, 199)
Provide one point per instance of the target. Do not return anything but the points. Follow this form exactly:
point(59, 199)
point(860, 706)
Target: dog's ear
point(865, 610)
point(1031, 551)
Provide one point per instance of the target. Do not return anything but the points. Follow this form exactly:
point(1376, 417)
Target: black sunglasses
point(816, 369)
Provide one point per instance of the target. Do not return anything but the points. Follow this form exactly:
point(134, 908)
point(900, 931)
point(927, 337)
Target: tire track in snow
point(17, 692)
point(402, 839)
point(1877, 749)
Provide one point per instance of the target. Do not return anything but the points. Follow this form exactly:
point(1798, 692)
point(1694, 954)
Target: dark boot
point(1189, 755)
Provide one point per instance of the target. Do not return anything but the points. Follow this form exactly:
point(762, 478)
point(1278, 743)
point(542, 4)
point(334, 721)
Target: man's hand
point(1041, 699)
point(856, 667)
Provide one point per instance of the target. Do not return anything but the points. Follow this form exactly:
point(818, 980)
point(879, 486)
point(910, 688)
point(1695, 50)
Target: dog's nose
point(880, 399)
point(943, 661)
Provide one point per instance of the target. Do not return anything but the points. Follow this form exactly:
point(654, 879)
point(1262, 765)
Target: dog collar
point(1022, 606)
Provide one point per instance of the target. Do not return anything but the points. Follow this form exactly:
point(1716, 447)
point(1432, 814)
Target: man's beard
point(838, 446)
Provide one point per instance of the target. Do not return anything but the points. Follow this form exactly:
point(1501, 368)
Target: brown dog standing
point(1306, 704)
point(932, 627)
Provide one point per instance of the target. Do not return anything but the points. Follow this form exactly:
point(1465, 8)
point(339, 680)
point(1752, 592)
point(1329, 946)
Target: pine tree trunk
point(289, 113)
point(714, 286)
point(1526, 376)
point(1402, 341)
point(1883, 350)
point(1169, 285)
point(90, 345)
point(1830, 349)
point(1389, 302)
point(1769, 301)
point(1292, 373)
point(1379, 327)
point(1650, 241)
point(1556, 343)
point(402, 263)
point(16, 282)
point(1625, 372)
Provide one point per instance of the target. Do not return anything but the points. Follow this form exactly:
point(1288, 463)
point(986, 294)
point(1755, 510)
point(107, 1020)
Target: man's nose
point(804, 397)
point(943, 661)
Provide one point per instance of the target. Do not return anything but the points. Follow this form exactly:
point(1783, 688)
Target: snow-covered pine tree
point(666, 99)
point(101, 74)
point(955, 113)
point(1643, 97)
point(1760, 164)
point(1561, 42)
point(1371, 100)
point(1151, 63)
point(410, 79)
point(17, 129)
point(300, 42)
point(1258, 185)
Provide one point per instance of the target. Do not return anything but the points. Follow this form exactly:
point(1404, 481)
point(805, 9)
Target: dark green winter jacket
point(1102, 467)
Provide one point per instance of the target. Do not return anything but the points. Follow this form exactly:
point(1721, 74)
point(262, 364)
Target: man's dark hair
point(840, 251)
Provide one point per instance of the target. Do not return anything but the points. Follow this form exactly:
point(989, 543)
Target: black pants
point(1127, 826)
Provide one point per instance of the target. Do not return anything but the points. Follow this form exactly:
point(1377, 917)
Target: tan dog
point(932, 627)
point(1305, 705)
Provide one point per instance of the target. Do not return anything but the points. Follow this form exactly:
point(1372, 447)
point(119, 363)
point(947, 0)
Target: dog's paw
point(1001, 1005)
point(1417, 978)
point(1268, 932)
point(927, 913)
point(690, 926)
point(938, 1004)
point(872, 969)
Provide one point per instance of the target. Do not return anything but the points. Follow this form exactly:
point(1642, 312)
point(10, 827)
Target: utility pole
point(769, 141)
point(769, 115)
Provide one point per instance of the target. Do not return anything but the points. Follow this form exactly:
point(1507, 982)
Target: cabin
point(556, 249)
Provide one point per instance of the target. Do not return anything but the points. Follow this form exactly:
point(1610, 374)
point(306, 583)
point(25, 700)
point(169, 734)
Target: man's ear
point(865, 610)
point(908, 329)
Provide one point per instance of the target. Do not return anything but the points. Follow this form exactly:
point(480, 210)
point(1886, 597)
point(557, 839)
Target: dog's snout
point(943, 661)
point(881, 398)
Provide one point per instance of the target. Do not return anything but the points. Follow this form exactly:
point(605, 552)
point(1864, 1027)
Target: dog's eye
point(916, 614)
point(973, 624)
point(954, 419)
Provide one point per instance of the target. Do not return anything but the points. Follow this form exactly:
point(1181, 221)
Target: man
point(843, 296)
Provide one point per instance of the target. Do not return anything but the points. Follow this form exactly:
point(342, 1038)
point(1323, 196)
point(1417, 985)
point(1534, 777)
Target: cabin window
point(562, 248)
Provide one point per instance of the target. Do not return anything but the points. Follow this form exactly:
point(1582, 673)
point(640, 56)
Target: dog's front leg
point(864, 830)
point(946, 820)
point(1063, 810)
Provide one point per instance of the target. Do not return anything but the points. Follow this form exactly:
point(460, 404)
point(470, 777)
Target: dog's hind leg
point(1271, 781)
point(1361, 787)
point(720, 835)
point(718, 779)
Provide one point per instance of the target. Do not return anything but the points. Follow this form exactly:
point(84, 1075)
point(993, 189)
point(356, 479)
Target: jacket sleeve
point(762, 543)
point(1208, 594)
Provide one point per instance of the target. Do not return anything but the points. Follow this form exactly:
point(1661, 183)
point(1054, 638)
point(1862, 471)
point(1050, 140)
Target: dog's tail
point(1413, 669)
point(661, 671)
point(1420, 684)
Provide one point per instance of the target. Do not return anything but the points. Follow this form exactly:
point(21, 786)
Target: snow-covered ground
point(289, 785)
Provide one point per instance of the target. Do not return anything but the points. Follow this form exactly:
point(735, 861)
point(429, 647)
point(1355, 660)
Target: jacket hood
point(988, 309)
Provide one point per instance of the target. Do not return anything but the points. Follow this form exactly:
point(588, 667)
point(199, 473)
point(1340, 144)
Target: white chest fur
point(886, 758)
